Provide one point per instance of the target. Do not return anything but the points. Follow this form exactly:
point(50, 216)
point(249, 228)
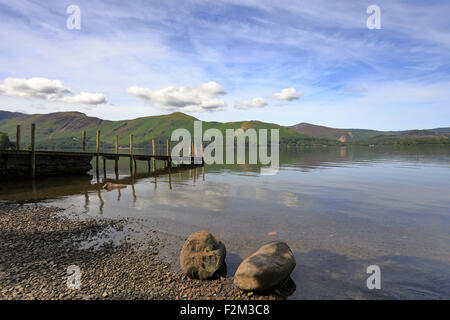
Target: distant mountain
point(369, 136)
point(63, 129)
point(342, 135)
point(441, 130)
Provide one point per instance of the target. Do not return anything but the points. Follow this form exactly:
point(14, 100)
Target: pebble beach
point(38, 244)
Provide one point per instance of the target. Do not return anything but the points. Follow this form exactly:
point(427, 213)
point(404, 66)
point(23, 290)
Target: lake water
point(339, 209)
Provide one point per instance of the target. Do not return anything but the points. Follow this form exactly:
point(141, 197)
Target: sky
point(282, 62)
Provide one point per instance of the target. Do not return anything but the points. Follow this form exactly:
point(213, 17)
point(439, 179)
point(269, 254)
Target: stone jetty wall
point(16, 165)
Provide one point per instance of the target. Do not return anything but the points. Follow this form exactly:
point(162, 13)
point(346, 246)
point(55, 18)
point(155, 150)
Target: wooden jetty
point(34, 162)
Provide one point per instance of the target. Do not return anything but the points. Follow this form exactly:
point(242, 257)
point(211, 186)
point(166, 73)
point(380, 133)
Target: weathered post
point(153, 147)
point(192, 153)
point(97, 142)
point(203, 155)
point(168, 152)
point(97, 150)
point(131, 154)
point(104, 167)
point(18, 137)
point(83, 138)
point(33, 150)
point(116, 161)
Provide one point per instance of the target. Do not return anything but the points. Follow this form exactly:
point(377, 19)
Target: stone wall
point(20, 165)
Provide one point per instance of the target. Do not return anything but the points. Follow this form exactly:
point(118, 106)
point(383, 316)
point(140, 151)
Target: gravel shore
point(37, 245)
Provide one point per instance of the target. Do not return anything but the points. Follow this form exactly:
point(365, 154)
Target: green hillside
point(412, 137)
point(62, 130)
point(4, 141)
point(368, 137)
point(343, 135)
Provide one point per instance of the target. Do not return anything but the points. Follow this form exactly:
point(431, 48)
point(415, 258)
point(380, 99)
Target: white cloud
point(254, 103)
point(45, 89)
point(204, 97)
point(86, 98)
point(288, 94)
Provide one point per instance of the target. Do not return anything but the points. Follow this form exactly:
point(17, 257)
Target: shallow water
point(339, 209)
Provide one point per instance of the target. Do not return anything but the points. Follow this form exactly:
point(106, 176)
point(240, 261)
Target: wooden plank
point(89, 154)
point(33, 150)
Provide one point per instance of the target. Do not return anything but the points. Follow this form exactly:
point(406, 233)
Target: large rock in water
point(202, 255)
point(265, 269)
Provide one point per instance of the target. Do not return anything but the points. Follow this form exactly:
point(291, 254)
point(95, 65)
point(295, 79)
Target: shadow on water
point(322, 274)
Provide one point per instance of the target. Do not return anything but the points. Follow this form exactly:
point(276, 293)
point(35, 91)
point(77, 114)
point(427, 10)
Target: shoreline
point(37, 245)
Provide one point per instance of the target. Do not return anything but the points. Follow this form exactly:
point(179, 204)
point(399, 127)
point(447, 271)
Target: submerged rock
point(202, 255)
point(110, 186)
point(266, 269)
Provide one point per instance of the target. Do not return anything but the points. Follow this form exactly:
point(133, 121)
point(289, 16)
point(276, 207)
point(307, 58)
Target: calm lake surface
point(339, 209)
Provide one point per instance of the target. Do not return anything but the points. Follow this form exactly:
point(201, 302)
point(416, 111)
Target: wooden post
point(97, 150)
point(18, 137)
point(168, 152)
point(116, 161)
point(33, 150)
point(104, 167)
point(97, 142)
point(203, 154)
point(131, 153)
point(153, 147)
point(83, 138)
point(192, 152)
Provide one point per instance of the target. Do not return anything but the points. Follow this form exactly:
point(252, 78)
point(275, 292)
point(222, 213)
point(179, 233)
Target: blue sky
point(230, 60)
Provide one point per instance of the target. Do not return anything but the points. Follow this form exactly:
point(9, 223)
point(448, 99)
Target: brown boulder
point(266, 269)
point(202, 255)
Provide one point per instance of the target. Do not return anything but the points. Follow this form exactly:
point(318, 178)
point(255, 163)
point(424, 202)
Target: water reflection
point(339, 209)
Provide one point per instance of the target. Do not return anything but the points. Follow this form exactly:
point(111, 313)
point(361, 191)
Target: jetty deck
point(34, 162)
